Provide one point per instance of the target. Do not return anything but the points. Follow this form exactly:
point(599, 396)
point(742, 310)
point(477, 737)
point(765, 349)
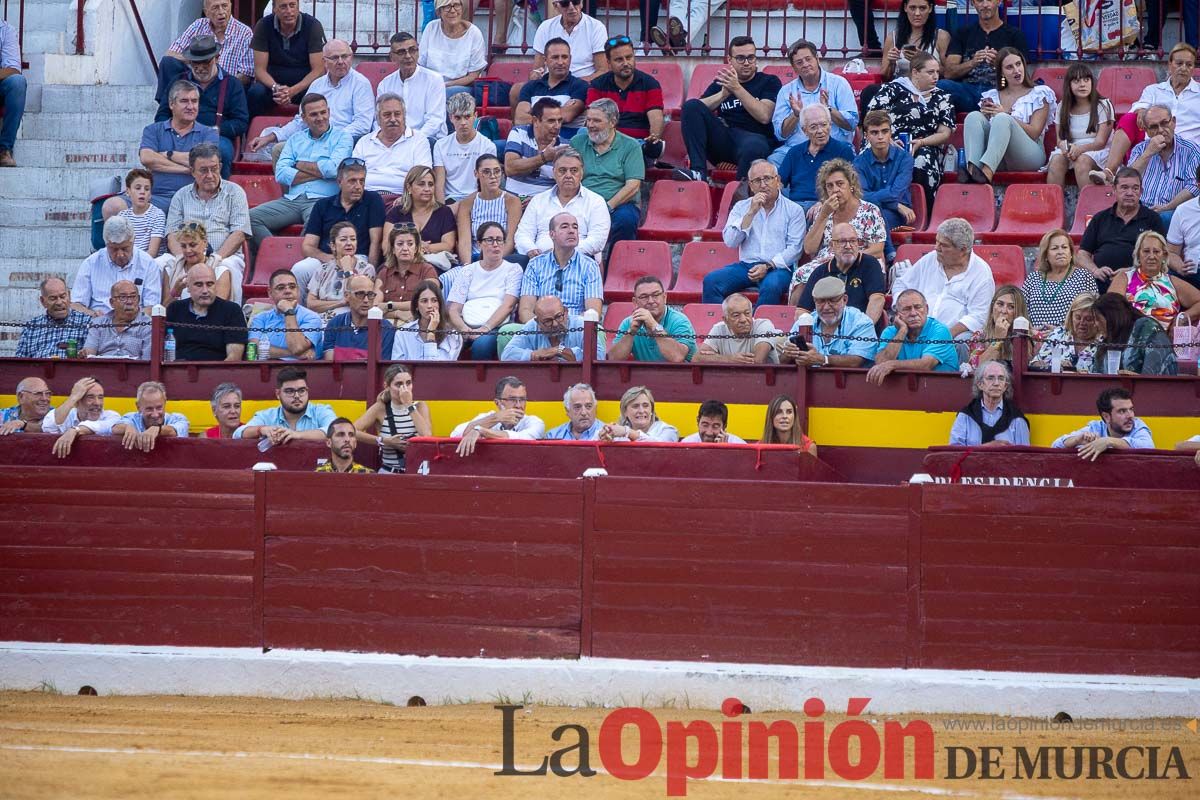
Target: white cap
point(264, 466)
point(921, 477)
point(1021, 324)
point(158, 310)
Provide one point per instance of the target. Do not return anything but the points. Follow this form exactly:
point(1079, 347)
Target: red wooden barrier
point(1043, 466)
point(424, 565)
point(749, 572)
point(126, 556)
point(35, 449)
point(561, 459)
point(1060, 580)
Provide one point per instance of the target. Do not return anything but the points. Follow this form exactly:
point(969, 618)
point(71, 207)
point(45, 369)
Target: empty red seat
point(1052, 77)
point(919, 205)
point(257, 126)
point(782, 317)
point(1092, 200)
point(699, 259)
point(670, 76)
point(974, 202)
point(1006, 260)
point(632, 260)
point(259, 188)
point(1029, 210)
point(613, 316)
point(674, 153)
point(375, 71)
point(912, 252)
point(276, 252)
point(784, 72)
point(702, 316)
point(677, 211)
point(702, 76)
point(512, 71)
point(713, 233)
point(1123, 84)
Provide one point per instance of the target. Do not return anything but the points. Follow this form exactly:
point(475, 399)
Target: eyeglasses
point(827, 301)
point(556, 319)
point(615, 41)
point(345, 57)
point(565, 3)
point(352, 162)
point(405, 51)
point(512, 401)
point(294, 392)
point(492, 240)
point(762, 180)
point(646, 298)
point(125, 298)
point(36, 394)
point(494, 172)
point(363, 295)
point(844, 242)
point(744, 59)
point(192, 226)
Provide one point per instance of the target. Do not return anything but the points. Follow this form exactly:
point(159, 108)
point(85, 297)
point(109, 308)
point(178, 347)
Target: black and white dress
point(397, 421)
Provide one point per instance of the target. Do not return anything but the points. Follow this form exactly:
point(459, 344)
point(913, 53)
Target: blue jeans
point(966, 96)
point(12, 89)
point(772, 289)
point(625, 219)
point(484, 348)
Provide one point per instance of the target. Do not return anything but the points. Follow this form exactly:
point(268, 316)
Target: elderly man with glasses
point(842, 337)
point(860, 273)
point(638, 96)
point(990, 419)
point(220, 206)
point(33, 404)
point(585, 34)
point(552, 335)
point(768, 231)
point(731, 122)
point(345, 337)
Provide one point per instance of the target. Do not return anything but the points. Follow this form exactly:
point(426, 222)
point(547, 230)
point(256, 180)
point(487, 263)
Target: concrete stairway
point(70, 137)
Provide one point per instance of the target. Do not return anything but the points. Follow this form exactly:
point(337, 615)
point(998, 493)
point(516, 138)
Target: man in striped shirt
point(563, 272)
point(1168, 164)
point(233, 36)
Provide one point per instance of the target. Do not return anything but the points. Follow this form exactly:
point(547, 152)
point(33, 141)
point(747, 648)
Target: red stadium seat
point(702, 316)
point(677, 211)
point(375, 71)
point(630, 261)
point(699, 259)
point(702, 76)
point(912, 252)
point(974, 202)
point(784, 72)
point(1052, 77)
point(613, 315)
point(1029, 210)
point(674, 153)
point(1092, 200)
point(512, 71)
point(713, 234)
point(276, 252)
point(782, 317)
point(259, 188)
point(670, 75)
point(919, 206)
point(257, 126)
point(1006, 260)
point(1123, 84)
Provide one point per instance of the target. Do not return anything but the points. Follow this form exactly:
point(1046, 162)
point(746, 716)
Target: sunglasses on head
point(618, 41)
point(565, 3)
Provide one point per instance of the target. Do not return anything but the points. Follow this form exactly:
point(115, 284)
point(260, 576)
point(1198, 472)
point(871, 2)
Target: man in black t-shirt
point(861, 274)
point(1110, 236)
point(223, 335)
point(970, 67)
point(731, 122)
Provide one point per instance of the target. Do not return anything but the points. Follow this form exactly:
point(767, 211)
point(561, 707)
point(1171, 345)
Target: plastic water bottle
point(169, 346)
point(962, 159)
point(264, 348)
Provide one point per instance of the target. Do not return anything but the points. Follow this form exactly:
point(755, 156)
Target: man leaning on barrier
point(141, 429)
point(508, 421)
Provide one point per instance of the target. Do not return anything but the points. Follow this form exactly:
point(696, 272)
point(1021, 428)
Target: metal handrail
point(80, 38)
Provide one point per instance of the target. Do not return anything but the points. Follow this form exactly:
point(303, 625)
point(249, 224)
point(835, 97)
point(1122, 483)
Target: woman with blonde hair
point(1151, 288)
point(1075, 340)
point(782, 426)
point(419, 206)
point(638, 422)
point(404, 267)
point(1055, 281)
point(193, 246)
point(395, 417)
point(991, 342)
point(840, 196)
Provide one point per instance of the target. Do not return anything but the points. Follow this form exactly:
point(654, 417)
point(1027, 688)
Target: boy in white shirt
point(454, 155)
point(149, 222)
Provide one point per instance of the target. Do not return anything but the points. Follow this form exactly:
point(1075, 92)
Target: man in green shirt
point(654, 331)
point(613, 167)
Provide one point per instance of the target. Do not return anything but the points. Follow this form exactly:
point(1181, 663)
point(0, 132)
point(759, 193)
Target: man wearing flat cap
point(843, 336)
point(222, 97)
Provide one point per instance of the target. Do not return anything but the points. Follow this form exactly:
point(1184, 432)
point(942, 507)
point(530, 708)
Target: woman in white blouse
point(429, 337)
point(485, 294)
point(453, 47)
point(1008, 128)
point(638, 422)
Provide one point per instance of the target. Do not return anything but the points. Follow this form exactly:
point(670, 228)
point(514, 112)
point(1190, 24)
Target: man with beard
point(638, 96)
point(123, 332)
point(581, 424)
point(82, 414)
point(711, 421)
point(1117, 429)
point(42, 336)
point(206, 328)
point(343, 438)
point(142, 428)
point(294, 418)
point(843, 336)
point(33, 404)
point(739, 338)
point(612, 168)
point(860, 273)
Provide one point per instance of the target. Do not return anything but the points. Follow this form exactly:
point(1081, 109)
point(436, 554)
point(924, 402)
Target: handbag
point(1186, 339)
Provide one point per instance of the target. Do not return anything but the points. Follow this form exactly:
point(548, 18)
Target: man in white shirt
point(739, 338)
point(1180, 93)
point(533, 232)
point(956, 283)
point(710, 425)
point(508, 421)
point(393, 148)
point(81, 414)
point(585, 34)
point(423, 90)
point(1183, 240)
point(348, 92)
point(454, 156)
point(119, 260)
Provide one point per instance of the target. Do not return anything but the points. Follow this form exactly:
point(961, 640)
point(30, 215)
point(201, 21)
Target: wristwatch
point(170, 155)
point(291, 312)
point(827, 360)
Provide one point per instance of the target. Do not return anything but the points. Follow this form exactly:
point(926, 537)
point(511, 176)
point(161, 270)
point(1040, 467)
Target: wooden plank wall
point(1037, 580)
point(127, 556)
point(424, 565)
point(751, 572)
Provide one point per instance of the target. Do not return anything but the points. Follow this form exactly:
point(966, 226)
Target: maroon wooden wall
point(431, 566)
point(104, 452)
point(127, 556)
point(749, 572)
point(1137, 469)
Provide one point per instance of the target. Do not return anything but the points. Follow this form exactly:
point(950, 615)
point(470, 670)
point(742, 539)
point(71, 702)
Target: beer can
point(72, 348)
point(252, 350)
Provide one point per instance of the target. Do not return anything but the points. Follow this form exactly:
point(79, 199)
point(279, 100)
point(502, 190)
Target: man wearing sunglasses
point(731, 122)
point(586, 36)
point(638, 96)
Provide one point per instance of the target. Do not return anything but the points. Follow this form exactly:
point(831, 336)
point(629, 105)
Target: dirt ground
point(54, 745)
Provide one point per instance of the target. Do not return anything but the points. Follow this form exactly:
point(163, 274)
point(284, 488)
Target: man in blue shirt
point(165, 145)
point(142, 428)
point(654, 331)
point(1118, 428)
point(812, 86)
point(843, 335)
point(915, 341)
point(307, 168)
point(346, 337)
point(885, 171)
point(581, 424)
point(294, 418)
point(558, 84)
point(552, 335)
point(800, 167)
point(300, 337)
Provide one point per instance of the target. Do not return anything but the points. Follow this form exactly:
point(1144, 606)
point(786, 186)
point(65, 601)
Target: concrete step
point(26, 273)
point(65, 243)
point(41, 213)
point(92, 155)
point(112, 127)
point(135, 100)
point(37, 183)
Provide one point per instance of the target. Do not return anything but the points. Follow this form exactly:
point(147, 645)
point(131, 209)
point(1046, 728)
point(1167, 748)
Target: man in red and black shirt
point(638, 97)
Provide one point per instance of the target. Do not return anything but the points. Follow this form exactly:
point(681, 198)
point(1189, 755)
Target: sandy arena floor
point(164, 747)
